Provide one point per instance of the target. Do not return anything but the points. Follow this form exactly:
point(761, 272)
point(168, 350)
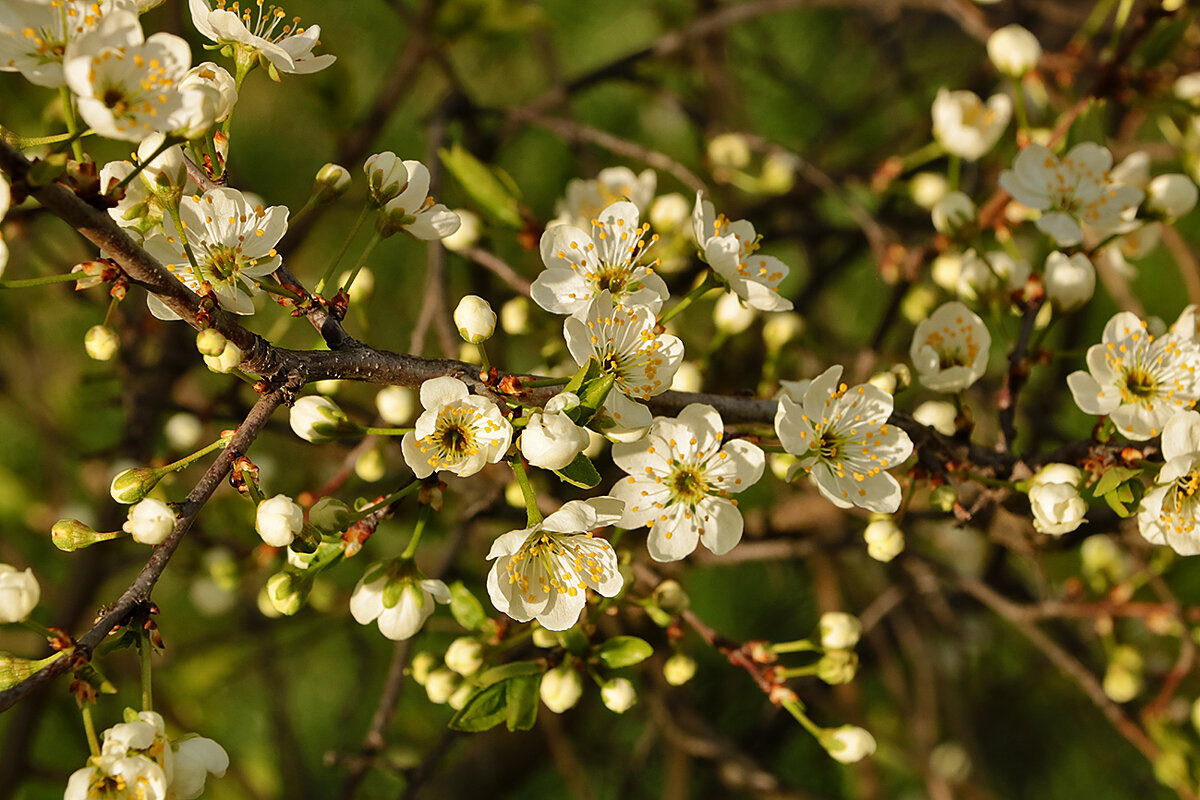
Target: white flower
point(953, 213)
point(218, 95)
point(842, 439)
point(474, 318)
point(1069, 281)
point(458, 432)
point(284, 43)
point(839, 630)
point(550, 439)
point(465, 655)
point(5, 202)
point(413, 210)
point(315, 418)
point(561, 688)
point(978, 276)
point(884, 539)
point(1057, 472)
point(730, 248)
point(1136, 379)
point(396, 596)
point(150, 521)
point(386, 176)
point(937, 414)
point(278, 520)
point(127, 86)
point(965, 126)
point(165, 173)
point(35, 35)
point(234, 244)
point(623, 340)
point(1071, 191)
point(195, 757)
point(1057, 508)
point(1168, 513)
point(1013, 50)
point(950, 349)
point(580, 265)
point(544, 572)
point(680, 481)
point(1171, 196)
point(467, 235)
point(585, 199)
point(19, 593)
point(101, 343)
point(849, 744)
point(618, 695)
point(140, 776)
point(396, 404)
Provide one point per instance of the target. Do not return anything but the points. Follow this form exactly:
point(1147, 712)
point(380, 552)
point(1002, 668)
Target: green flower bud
point(671, 598)
point(332, 182)
point(132, 485)
point(210, 342)
point(286, 592)
point(837, 666)
point(423, 663)
point(679, 669)
point(69, 535)
point(15, 670)
point(329, 516)
point(943, 498)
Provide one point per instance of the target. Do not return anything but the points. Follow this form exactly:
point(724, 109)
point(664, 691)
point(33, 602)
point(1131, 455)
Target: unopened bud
point(465, 655)
point(210, 342)
point(15, 670)
point(839, 630)
point(618, 695)
point(475, 320)
point(332, 182)
point(329, 515)
point(541, 637)
point(943, 498)
point(953, 214)
point(69, 535)
point(227, 361)
point(132, 485)
point(679, 669)
point(101, 343)
point(440, 685)
point(781, 328)
point(396, 404)
point(837, 666)
point(285, 593)
point(561, 688)
point(423, 663)
point(670, 597)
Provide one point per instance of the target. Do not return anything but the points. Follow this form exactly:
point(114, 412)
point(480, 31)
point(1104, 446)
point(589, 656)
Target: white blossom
point(413, 210)
point(1168, 513)
point(278, 520)
point(624, 342)
point(731, 316)
point(884, 539)
point(965, 126)
point(266, 30)
point(195, 759)
point(681, 478)
point(1057, 472)
point(35, 34)
point(1069, 281)
point(1171, 196)
point(1071, 191)
point(982, 275)
point(580, 265)
point(457, 432)
point(544, 571)
point(234, 244)
point(1057, 508)
point(398, 597)
point(474, 318)
point(1138, 380)
point(937, 414)
point(953, 213)
point(1013, 50)
point(19, 593)
point(842, 439)
point(218, 93)
point(550, 439)
point(730, 248)
point(950, 349)
point(150, 521)
point(839, 630)
point(585, 199)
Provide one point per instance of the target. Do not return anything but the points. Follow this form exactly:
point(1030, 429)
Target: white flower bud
point(278, 520)
point(688, 377)
point(1101, 555)
point(316, 419)
point(166, 174)
point(221, 91)
point(618, 695)
point(329, 515)
point(210, 342)
point(938, 415)
point(731, 316)
point(670, 213)
point(1069, 281)
point(541, 637)
point(396, 404)
point(953, 214)
point(1171, 196)
point(729, 150)
point(514, 316)
point(460, 697)
point(1057, 508)
point(561, 688)
point(465, 655)
point(468, 231)
point(440, 685)
point(182, 430)
point(884, 539)
point(1187, 88)
point(422, 665)
point(475, 319)
point(131, 485)
point(848, 743)
point(332, 181)
point(284, 593)
point(386, 176)
point(1014, 50)
point(778, 174)
point(101, 343)
point(884, 380)
point(781, 328)
point(1056, 472)
point(679, 669)
point(371, 465)
point(839, 630)
point(19, 593)
point(150, 521)
point(551, 440)
point(945, 270)
point(837, 666)
point(227, 361)
point(927, 188)
point(1123, 678)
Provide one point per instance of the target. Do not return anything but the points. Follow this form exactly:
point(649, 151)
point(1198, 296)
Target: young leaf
point(522, 699)
point(624, 651)
point(466, 609)
point(580, 472)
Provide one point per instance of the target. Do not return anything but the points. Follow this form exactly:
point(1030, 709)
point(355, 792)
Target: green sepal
point(574, 641)
point(509, 694)
point(1112, 478)
point(624, 651)
point(490, 189)
point(522, 702)
point(580, 472)
point(94, 678)
point(466, 608)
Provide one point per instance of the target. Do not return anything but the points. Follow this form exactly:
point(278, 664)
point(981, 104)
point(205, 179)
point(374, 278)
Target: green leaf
point(521, 694)
point(580, 472)
point(588, 372)
point(624, 651)
point(592, 395)
point(466, 609)
point(491, 193)
point(1112, 478)
point(504, 672)
point(485, 709)
point(1161, 41)
point(574, 641)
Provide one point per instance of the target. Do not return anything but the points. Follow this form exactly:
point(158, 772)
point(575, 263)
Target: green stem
point(68, 105)
point(1019, 102)
point(245, 59)
point(483, 357)
point(796, 709)
point(187, 247)
point(387, 431)
point(39, 629)
point(175, 466)
point(987, 480)
point(798, 646)
point(278, 291)
point(147, 692)
point(1123, 11)
point(23, 142)
point(387, 501)
point(709, 282)
point(533, 515)
point(112, 310)
point(954, 172)
point(796, 672)
point(418, 529)
point(923, 156)
point(167, 142)
point(65, 277)
point(376, 238)
point(89, 728)
point(544, 382)
point(358, 223)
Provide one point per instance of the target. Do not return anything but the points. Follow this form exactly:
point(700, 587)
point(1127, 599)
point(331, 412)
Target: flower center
point(828, 445)
point(688, 485)
point(455, 439)
point(224, 262)
point(1140, 383)
point(613, 278)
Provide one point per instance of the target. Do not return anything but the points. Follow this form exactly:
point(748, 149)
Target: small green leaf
point(624, 651)
point(466, 609)
point(521, 694)
point(1112, 478)
point(485, 709)
point(592, 395)
point(490, 190)
point(580, 472)
point(588, 372)
point(506, 671)
point(573, 641)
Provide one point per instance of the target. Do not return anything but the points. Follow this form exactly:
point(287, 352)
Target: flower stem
point(798, 646)
point(533, 515)
point(1019, 103)
point(175, 466)
point(65, 277)
point(544, 382)
point(922, 156)
point(39, 629)
point(709, 282)
point(358, 223)
point(173, 210)
point(387, 501)
point(387, 431)
point(796, 709)
point(89, 728)
point(147, 692)
point(68, 108)
point(418, 529)
point(954, 172)
point(251, 487)
point(376, 238)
